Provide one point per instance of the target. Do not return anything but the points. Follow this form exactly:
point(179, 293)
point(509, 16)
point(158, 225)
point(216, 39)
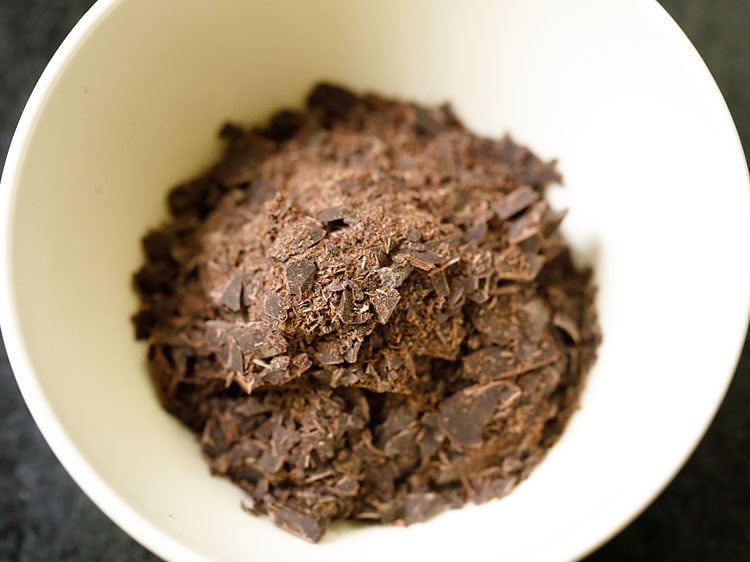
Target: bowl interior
point(655, 182)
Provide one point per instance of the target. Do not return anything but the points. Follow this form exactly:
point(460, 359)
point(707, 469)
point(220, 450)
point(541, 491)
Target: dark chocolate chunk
point(418, 507)
point(334, 214)
point(329, 353)
point(488, 364)
point(299, 275)
point(421, 260)
point(528, 224)
point(190, 198)
point(346, 486)
point(296, 237)
point(230, 131)
point(426, 124)
point(464, 414)
point(305, 525)
point(242, 158)
point(514, 202)
point(232, 294)
point(384, 301)
point(156, 277)
point(158, 245)
point(489, 489)
point(258, 339)
point(145, 321)
point(335, 101)
point(440, 283)
point(272, 308)
point(283, 125)
point(513, 264)
point(393, 278)
point(258, 193)
point(230, 356)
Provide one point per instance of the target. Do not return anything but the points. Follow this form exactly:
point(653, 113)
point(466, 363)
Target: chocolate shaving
point(366, 312)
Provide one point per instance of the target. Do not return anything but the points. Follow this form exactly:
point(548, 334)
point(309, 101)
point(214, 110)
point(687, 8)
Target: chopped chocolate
point(366, 312)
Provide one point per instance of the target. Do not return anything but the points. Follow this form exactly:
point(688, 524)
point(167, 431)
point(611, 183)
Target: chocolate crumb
point(366, 312)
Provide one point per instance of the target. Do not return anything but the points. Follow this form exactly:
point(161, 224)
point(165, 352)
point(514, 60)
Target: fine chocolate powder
point(366, 312)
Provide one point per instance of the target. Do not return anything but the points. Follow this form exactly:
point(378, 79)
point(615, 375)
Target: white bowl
point(656, 185)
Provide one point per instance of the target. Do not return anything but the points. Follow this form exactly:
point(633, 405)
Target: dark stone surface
point(703, 515)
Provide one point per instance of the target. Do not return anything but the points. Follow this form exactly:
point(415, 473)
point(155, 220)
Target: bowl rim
point(92, 484)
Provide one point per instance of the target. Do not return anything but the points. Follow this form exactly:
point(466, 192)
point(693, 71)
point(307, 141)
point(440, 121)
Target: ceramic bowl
point(655, 182)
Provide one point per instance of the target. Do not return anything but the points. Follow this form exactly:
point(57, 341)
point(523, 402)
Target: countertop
point(703, 515)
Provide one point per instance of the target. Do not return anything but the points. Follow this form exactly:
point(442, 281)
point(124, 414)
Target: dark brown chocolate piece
point(465, 413)
point(515, 201)
point(306, 525)
point(283, 125)
point(335, 101)
point(366, 312)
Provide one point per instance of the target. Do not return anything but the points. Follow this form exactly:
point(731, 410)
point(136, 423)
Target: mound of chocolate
point(366, 312)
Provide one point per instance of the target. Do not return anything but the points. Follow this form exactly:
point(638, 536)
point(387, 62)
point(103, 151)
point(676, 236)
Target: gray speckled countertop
point(703, 515)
